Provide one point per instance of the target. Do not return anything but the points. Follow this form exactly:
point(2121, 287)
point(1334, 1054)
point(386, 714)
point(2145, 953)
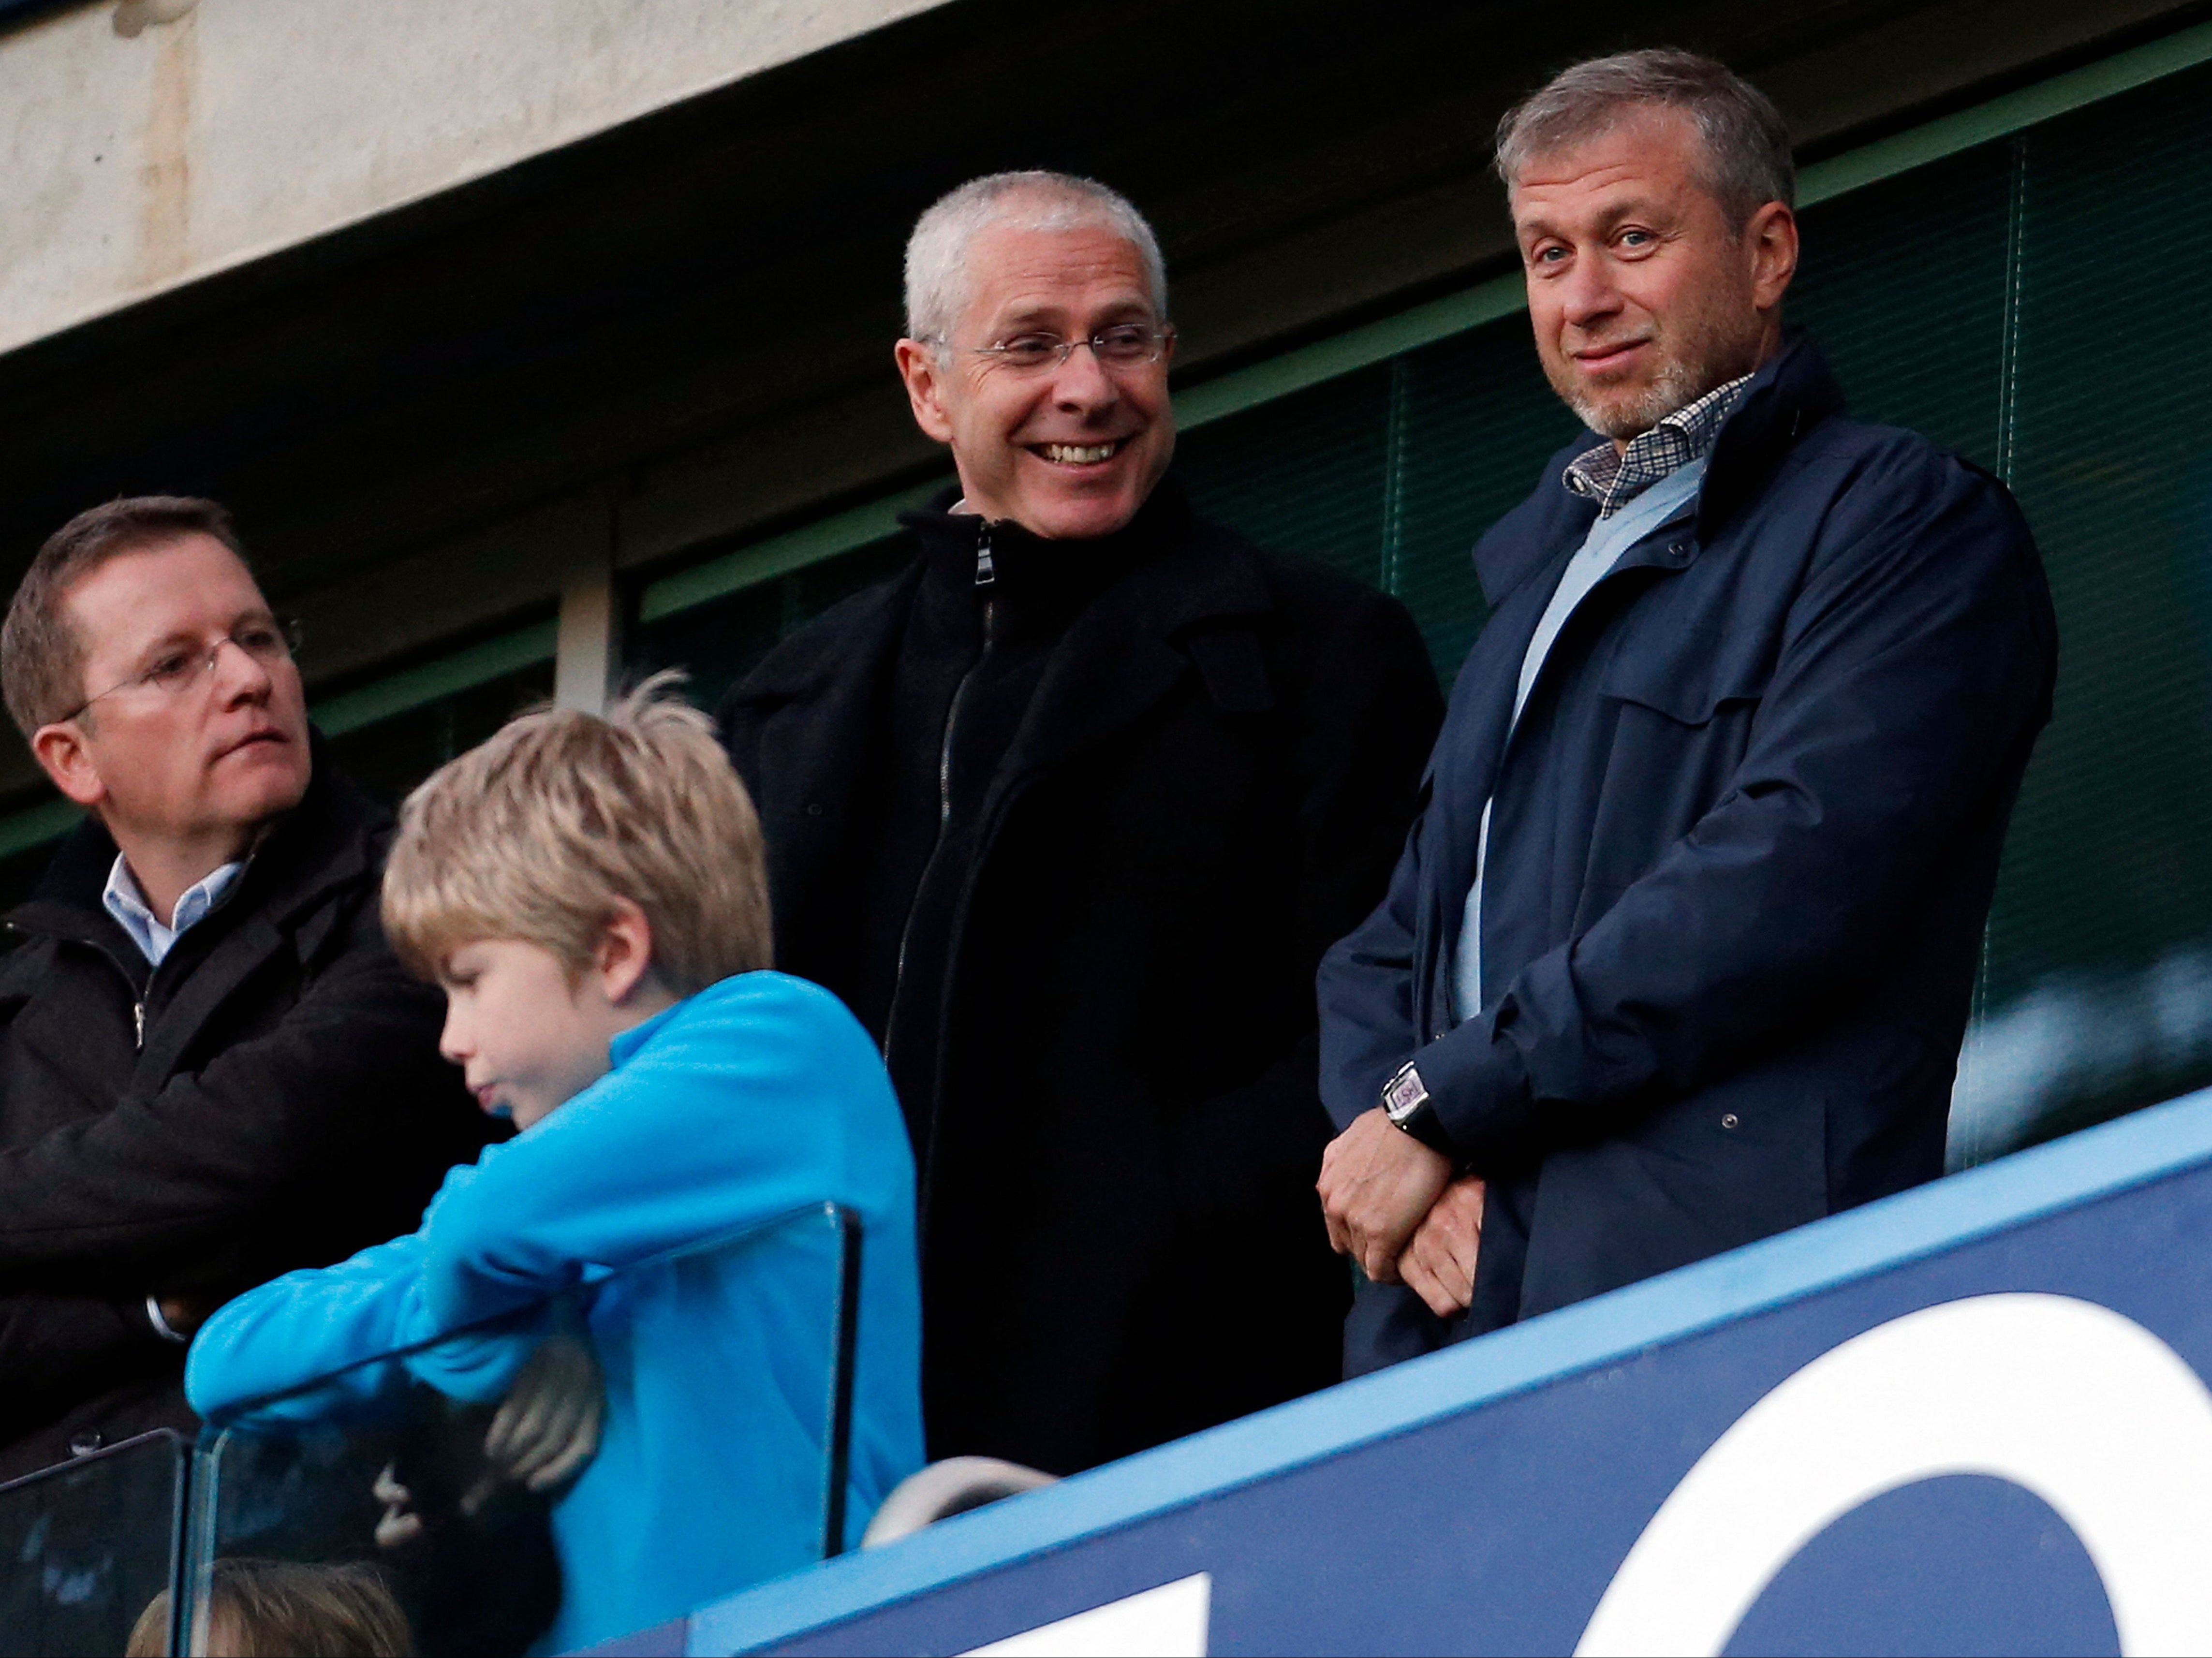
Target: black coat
point(1742, 849)
point(1119, 1239)
point(287, 1107)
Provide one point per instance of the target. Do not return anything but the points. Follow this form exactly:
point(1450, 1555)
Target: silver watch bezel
point(1404, 1094)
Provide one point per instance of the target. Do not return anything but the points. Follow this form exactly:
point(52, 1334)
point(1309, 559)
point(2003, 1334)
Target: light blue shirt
point(127, 904)
point(1609, 540)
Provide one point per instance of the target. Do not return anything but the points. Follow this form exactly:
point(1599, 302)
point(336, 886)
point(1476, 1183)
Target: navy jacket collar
point(1787, 398)
point(1794, 391)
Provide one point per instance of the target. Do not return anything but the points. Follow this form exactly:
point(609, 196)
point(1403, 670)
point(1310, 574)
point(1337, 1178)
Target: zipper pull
point(986, 568)
point(138, 1019)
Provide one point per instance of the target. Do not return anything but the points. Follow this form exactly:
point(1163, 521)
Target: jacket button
point(1680, 550)
point(1728, 1121)
point(813, 808)
point(85, 1442)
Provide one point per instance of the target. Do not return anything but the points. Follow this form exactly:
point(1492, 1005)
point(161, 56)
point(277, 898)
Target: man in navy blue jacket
point(1680, 951)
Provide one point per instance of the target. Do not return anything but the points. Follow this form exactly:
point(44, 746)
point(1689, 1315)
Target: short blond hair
point(533, 836)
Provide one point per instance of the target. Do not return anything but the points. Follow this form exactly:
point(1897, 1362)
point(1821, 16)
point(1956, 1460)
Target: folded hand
point(547, 1428)
point(1438, 1264)
point(1376, 1183)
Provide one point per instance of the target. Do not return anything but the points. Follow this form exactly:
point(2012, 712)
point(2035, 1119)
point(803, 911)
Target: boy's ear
point(624, 958)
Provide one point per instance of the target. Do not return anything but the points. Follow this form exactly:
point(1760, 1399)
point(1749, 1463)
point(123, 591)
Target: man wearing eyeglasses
point(211, 1068)
point(1068, 812)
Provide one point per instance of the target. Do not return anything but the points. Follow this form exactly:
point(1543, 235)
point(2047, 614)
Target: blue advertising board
point(1971, 1418)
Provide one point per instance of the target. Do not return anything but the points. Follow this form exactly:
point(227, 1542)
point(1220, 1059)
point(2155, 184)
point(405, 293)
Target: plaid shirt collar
point(1612, 478)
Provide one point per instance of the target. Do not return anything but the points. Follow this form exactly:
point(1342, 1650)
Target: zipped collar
point(1181, 572)
point(1001, 553)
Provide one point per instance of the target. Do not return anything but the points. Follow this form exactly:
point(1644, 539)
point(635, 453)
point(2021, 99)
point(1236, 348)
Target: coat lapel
point(1465, 768)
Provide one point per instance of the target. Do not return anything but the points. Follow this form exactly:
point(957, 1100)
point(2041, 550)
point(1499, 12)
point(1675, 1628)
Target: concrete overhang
point(150, 143)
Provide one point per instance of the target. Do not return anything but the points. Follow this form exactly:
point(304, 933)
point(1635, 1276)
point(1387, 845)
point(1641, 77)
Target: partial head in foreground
point(286, 1609)
point(1652, 195)
point(569, 879)
point(144, 667)
point(1038, 347)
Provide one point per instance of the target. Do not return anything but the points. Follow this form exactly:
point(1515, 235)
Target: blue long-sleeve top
point(758, 1097)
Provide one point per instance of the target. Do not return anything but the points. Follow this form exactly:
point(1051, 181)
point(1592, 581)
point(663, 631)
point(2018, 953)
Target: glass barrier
point(580, 1469)
point(90, 1550)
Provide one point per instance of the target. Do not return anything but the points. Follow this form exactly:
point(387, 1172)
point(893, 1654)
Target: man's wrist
point(1405, 1101)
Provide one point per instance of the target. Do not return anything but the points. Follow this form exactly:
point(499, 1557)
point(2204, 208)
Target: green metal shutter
point(1304, 474)
point(2104, 916)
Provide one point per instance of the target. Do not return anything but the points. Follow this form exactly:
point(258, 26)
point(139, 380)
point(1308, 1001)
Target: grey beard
point(1677, 387)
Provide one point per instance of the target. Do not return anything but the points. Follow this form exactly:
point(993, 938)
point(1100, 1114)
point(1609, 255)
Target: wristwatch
point(1406, 1100)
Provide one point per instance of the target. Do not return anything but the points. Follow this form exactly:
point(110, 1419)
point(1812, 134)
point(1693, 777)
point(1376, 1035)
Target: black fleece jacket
point(1179, 769)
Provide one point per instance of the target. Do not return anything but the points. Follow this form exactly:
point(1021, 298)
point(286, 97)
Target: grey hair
point(1747, 159)
point(936, 252)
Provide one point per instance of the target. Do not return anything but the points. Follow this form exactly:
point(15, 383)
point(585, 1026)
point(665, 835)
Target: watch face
point(1404, 1095)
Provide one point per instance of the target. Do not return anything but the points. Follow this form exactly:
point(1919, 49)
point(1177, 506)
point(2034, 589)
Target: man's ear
point(924, 387)
point(1771, 238)
point(624, 958)
point(60, 750)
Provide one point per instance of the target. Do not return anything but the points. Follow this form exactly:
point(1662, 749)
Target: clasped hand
point(547, 1428)
point(541, 1435)
point(1393, 1205)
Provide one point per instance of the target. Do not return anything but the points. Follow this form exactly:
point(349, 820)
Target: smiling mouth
point(1078, 454)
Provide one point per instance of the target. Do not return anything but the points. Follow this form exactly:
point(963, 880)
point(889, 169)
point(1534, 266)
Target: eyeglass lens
point(265, 642)
point(1121, 347)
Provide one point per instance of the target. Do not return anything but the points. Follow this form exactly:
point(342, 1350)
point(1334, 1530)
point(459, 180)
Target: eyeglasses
point(179, 668)
point(1122, 346)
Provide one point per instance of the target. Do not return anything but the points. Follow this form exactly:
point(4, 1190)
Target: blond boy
point(590, 894)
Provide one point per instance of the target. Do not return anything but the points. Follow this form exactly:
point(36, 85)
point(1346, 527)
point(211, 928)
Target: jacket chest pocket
point(1685, 693)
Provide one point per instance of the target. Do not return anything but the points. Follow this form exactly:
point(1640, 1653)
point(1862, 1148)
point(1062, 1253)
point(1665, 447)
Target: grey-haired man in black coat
point(1068, 812)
